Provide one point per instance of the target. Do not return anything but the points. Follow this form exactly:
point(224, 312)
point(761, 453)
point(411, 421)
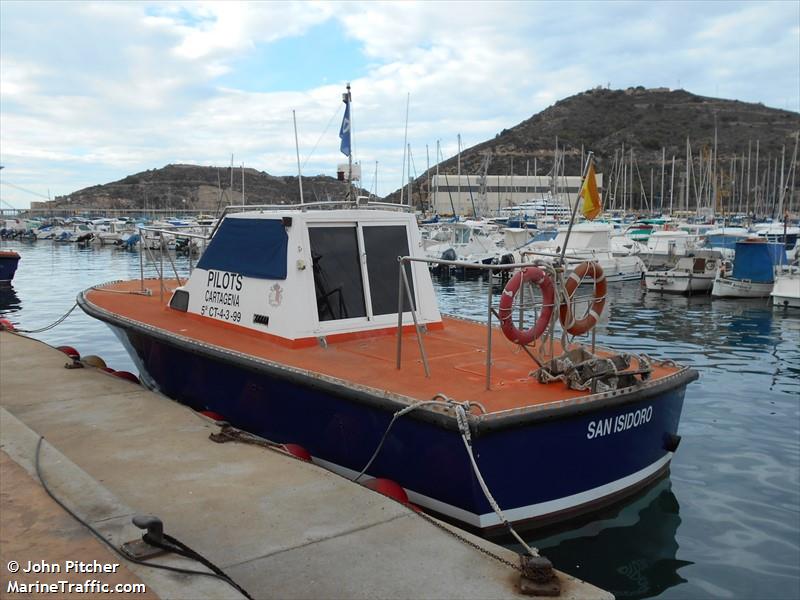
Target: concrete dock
point(280, 527)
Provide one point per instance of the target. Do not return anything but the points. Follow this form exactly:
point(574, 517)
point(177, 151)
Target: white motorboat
point(665, 247)
point(691, 275)
point(471, 241)
point(786, 291)
point(592, 241)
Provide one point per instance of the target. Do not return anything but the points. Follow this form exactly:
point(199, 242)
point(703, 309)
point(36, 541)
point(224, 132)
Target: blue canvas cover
point(755, 261)
point(252, 247)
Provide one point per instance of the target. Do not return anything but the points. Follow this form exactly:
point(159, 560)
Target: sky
point(91, 92)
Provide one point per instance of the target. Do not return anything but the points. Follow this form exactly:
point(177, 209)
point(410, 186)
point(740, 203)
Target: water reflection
point(9, 301)
point(630, 550)
point(735, 478)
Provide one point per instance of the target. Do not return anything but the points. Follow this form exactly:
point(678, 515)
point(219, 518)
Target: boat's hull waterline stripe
point(537, 463)
point(567, 506)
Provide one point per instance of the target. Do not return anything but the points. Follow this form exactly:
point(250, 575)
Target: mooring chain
point(469, 542)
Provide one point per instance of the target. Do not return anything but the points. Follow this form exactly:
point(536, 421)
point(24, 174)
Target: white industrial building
point(450, 193)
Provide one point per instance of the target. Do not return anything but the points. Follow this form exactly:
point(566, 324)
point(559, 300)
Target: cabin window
point(383, 244)
point(337, 273)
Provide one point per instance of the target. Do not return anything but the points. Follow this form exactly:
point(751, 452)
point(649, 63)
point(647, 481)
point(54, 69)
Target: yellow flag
point(591, 206)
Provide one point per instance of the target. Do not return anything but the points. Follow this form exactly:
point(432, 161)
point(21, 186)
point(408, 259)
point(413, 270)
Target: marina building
point(468, 194)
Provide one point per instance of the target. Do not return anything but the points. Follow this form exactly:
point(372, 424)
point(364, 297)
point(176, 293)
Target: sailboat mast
point(671, 185)
point(405, 143)
point(458, 195)
point(663, 165)
point(436, 188)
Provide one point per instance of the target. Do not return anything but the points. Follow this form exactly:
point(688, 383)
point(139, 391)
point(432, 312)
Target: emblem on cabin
point(275, 295)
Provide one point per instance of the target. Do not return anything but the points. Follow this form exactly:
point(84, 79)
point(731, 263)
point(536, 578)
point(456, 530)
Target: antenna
point(297, 150)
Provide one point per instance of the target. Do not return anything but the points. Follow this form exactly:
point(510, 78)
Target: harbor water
point(724, 524)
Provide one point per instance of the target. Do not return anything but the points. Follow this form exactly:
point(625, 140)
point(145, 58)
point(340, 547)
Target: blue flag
point(344, 131)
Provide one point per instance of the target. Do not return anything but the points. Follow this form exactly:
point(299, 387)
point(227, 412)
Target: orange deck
point(456, 353)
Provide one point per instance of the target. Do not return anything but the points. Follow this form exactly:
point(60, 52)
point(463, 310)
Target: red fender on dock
point(389, 488)
point(69, 351)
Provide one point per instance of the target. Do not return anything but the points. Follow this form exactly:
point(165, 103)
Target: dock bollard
point(538, 577)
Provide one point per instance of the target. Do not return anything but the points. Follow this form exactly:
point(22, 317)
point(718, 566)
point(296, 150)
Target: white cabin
point(307, 275)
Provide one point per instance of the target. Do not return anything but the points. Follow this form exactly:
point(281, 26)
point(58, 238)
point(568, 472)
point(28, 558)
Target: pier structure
point(278, 526)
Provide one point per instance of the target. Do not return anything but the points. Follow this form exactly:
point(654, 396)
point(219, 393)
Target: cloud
point(91, 92)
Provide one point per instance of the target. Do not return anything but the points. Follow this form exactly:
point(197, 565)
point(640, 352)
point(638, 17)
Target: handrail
point(159, 264)
point(554, 269)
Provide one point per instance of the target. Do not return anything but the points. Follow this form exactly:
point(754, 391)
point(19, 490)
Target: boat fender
point(126, 375)
point(449, 254)
point(94, 361)
point(389, 488)
point(298, 451)
point(540, 278)
point(581, 326)
point(6, 325)
point(214, 416)
point(671, 442)
point(69, 351)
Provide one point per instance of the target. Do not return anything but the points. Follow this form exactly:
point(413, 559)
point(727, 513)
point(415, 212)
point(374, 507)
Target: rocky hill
point(197, 188)
point(648, 121)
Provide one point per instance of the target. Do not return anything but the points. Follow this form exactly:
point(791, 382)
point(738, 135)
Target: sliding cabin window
point(383, 244)
point(338, 280)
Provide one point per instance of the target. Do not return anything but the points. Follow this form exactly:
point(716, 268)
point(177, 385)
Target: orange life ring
point(540, 278)
point(583, 325)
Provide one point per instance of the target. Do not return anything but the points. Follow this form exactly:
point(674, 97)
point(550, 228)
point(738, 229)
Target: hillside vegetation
point(649, 121)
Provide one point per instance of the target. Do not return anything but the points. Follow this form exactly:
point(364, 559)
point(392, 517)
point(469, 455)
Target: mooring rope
point(460, 409)
point(53, 324)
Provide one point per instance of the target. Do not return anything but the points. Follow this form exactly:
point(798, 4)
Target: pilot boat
point(321, 328)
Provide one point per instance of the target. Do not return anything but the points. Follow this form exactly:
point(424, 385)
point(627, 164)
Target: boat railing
point(554, 269)
point(159, 234)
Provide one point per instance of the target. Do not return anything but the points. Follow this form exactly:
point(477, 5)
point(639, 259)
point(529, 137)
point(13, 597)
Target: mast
point(349, 102)
point(436, 189)
point(405, 142)
point(458, 194)
point(713, 202)
point(428, 171)
point(661, 195)
point(747, 186)
point(671, 184)
point(755, 180)
point(780, 195)
point(409, 176)
point(297, 150)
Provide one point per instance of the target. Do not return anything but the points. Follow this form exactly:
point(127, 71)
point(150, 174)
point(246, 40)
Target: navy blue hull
point(8, 266)
point(538, 470)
